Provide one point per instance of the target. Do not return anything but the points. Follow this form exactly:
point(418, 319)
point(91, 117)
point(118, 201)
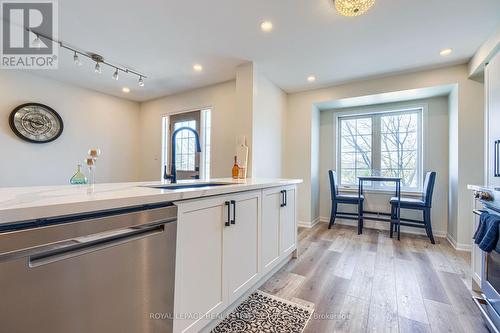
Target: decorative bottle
point(236, 168)
point(78, 178)
point(242, 153)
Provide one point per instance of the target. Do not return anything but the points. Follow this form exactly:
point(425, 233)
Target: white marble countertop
point(28, 203)
point(483, 188)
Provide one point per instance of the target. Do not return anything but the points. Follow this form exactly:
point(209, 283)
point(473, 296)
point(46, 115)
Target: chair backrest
point(430, 179)
point(333, 184)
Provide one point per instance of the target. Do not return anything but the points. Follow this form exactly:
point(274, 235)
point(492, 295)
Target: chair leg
point(428, 225)
point(360, 217)
point(333, 215)
point(392, 221)
point(398, 218)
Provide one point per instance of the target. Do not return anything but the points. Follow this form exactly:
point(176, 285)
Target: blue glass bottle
point(78, 178)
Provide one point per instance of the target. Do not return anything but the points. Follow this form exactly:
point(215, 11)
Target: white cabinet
point(217, 257)
point(476, 254)
point(279, 225)
point(288, 222)
point(242, 245)
point(225, 245)
point(492, 88)
point(271, 214)
point(199, 282)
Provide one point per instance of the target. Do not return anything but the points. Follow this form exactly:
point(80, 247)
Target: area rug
point(262, 312)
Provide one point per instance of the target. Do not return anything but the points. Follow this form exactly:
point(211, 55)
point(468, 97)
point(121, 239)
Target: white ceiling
point(165, 38)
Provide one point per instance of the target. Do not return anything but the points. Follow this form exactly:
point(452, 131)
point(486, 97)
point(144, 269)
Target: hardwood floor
point(372, 283)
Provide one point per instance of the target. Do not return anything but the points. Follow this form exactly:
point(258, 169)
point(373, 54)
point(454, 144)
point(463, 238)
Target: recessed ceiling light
point(126, 90)
point(446, 52)
point(197, 67)
point(311, 78)
point(266, 26)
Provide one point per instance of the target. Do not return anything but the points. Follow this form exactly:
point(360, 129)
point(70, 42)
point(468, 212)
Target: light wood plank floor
point(372, 283)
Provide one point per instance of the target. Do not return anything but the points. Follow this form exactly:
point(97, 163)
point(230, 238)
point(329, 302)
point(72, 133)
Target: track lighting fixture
point(98, 59)
point(76, 59)
point(37, 42)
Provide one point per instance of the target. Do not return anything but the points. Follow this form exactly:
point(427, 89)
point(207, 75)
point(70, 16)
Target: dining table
point(394, 219)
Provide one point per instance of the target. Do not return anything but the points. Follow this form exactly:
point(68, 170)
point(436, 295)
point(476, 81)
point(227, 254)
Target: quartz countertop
point(29, 203)
point(483, 188)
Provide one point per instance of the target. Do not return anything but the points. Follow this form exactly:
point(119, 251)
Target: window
point(188, 162)
point(386, 144)
point(206, 125)
point(185, 146)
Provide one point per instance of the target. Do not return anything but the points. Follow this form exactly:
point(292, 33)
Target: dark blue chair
point(424, 204)
point(344, 199)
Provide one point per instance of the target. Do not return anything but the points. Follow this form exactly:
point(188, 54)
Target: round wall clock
point(36, 123)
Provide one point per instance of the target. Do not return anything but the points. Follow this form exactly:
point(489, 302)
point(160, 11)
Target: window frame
point(205, 139)
point(376, 153)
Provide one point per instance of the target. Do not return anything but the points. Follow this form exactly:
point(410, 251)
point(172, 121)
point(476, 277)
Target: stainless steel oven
point(489, 303)
point(106, 272)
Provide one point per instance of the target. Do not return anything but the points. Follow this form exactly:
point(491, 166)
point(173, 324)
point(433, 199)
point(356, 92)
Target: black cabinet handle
point(228, 205)
point(283, 200)
point(233, 221)
point(497, 159)
point(285, 195)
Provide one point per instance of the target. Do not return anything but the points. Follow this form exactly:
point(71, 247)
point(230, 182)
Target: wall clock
point(36, 123)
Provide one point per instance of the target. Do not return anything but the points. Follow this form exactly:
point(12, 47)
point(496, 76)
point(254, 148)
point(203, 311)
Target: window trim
point(165, 141)
point(380, 110)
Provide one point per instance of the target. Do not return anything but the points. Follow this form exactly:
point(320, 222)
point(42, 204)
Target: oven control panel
point(483, 195)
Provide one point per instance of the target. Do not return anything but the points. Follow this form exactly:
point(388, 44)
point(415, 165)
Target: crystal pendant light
point(353, 7)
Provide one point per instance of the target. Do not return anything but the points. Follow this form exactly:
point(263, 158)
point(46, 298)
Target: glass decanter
point(78, 178)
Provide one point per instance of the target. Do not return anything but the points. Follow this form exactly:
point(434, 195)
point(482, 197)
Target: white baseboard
point(458, 246)
point(385, 226)
point(308, 224)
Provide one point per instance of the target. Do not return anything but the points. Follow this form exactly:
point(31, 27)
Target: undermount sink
point(187, 186)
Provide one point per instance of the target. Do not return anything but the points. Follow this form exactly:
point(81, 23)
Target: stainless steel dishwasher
point(103, 272)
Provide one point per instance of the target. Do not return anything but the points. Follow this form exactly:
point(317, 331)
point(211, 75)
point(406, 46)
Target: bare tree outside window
point(385, 144)
point(399, 148)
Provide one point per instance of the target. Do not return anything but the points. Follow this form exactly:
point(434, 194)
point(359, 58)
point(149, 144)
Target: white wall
point(484, 54)
point(268, 128)
point(243, 124)
point(91, 119)
point(221, 98)
point(453, 164)
point(315, 161)
point(470, 128)
point(435, 158)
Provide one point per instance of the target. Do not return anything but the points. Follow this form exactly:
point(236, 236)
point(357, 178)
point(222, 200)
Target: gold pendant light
point(353, 7)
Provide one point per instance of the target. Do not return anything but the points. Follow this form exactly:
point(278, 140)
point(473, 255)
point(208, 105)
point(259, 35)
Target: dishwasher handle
point(92, 243)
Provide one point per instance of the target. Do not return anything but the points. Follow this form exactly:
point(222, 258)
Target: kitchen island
point(231, 235)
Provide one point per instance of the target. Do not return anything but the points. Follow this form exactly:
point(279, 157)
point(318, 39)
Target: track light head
point(115, 74)
point(98, 68)
point(37, 42)
point(76, 59)
point(141, 82)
